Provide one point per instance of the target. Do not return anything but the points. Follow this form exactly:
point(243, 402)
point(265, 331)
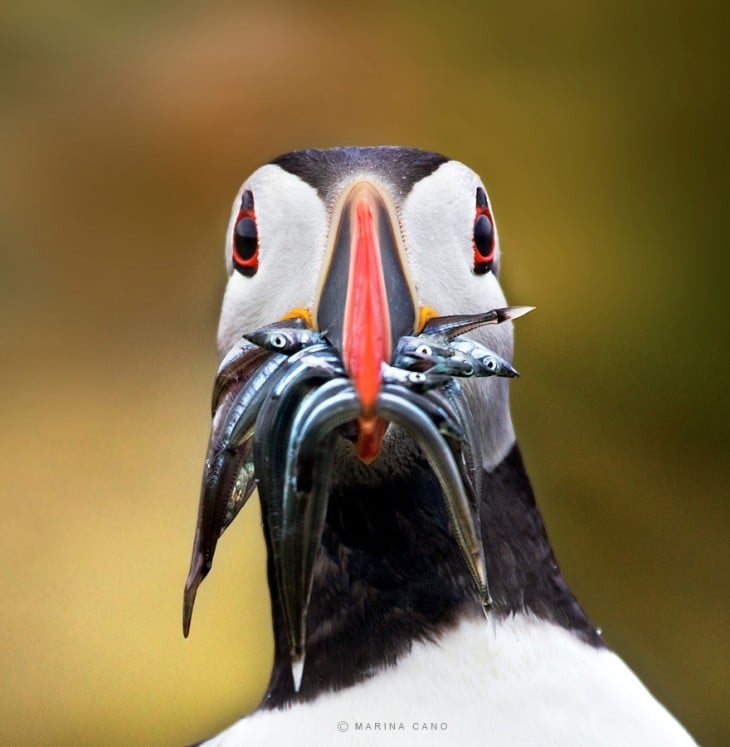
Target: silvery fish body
point(431, 355)
point(486, 361)
point(286, 340)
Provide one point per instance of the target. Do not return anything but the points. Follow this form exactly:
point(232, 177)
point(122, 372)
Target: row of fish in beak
point(282, 397)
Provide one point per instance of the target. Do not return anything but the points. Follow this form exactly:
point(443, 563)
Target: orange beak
point(366, 303)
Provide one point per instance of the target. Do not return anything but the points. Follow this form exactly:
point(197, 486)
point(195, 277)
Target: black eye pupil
point(246, 238)
point(483, 235)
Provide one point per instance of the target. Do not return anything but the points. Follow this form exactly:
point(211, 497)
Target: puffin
point(365, 360)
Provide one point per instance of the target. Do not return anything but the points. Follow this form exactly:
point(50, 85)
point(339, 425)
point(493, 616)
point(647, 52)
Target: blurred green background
point(601, 130)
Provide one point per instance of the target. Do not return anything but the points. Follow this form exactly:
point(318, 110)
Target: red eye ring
point(483, 240)
point(244, 240)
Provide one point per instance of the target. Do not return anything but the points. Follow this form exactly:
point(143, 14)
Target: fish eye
point(491, 364)
point(417, 378)
point(277, 341)
point(424, 350)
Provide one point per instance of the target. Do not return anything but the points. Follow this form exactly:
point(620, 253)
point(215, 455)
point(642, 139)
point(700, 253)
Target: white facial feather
point(292, 228)
point(438, 221)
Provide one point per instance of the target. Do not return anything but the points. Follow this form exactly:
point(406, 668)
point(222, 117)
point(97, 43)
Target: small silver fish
point(486, 361)
point(432, 356)
point(449, 327)
point(415, 380)
point(228, 479)
point(458, 357)
point(463, 518)
point(237, 366)
point(286, 340)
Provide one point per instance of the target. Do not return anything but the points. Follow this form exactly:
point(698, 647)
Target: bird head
point(367, 244)
point(350, 273)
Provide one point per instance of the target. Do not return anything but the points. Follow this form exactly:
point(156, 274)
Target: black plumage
point(389, 572)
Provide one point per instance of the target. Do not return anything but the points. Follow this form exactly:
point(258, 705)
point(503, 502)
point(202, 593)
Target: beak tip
point(370, 434)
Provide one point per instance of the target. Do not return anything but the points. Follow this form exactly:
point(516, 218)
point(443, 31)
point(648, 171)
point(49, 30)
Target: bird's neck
point(389, 573)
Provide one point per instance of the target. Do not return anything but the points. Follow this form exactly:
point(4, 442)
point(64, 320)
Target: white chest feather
point(527, 684)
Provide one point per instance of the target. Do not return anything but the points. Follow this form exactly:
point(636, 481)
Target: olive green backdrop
point(600, 129)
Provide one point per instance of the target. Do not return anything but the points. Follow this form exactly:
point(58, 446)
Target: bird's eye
point(484, 245)
point(277, 341)
point(245, 238)
point(424, 350)
point(416, 378)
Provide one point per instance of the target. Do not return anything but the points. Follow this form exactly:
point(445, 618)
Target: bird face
point(366, 247)
point(353, 274)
